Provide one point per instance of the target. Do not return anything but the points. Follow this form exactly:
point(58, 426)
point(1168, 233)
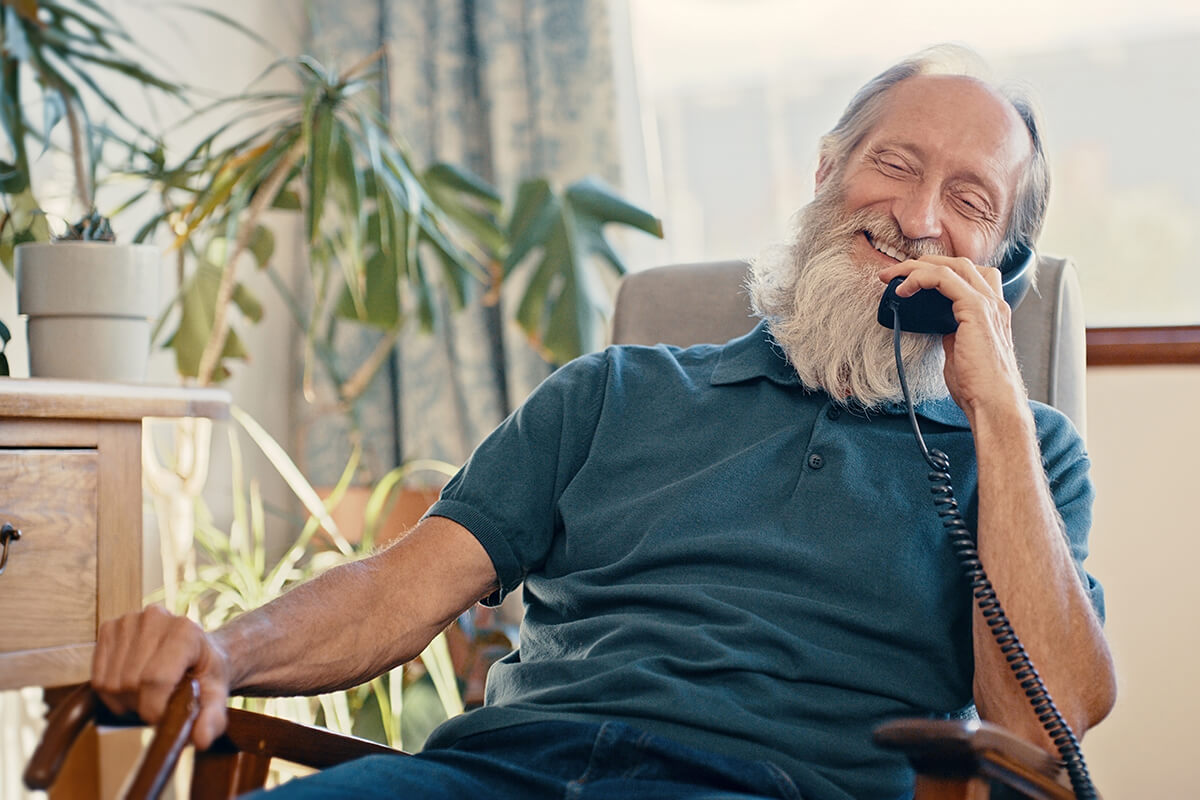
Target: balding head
point(1032, 193)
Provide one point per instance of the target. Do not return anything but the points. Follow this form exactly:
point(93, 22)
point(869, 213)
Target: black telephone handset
point(928, 311)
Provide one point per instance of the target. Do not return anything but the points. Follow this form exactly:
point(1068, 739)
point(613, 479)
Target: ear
point(824, 170)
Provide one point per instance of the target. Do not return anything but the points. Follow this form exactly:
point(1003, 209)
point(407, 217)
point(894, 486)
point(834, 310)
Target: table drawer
point(48, 589)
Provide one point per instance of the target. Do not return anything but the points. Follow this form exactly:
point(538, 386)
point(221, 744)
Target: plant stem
point(211, 355)
point(83, 186)
point(357, 383)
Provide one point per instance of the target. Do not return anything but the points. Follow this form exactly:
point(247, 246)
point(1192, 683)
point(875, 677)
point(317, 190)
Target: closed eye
point(973, 205)
point(891, 164)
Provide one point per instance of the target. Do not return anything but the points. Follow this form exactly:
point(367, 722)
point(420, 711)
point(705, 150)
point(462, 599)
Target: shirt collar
point(756, 355)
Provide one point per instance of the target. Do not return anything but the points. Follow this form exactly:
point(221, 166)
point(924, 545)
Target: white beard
point(821, 308)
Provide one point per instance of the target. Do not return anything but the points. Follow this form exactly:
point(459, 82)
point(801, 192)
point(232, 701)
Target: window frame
point(1143, 346)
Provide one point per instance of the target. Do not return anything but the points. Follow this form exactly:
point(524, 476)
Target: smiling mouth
point(887, 250)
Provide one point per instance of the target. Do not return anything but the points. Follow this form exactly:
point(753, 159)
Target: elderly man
point(732, 569)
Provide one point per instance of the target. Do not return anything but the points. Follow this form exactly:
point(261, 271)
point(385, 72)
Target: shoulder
point(1055, 431)
point(631, 365)
point(1064, 456)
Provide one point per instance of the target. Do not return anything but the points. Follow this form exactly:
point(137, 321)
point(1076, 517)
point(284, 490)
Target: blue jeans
point(569, 760)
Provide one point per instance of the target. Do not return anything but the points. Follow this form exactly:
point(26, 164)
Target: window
point(734, 96)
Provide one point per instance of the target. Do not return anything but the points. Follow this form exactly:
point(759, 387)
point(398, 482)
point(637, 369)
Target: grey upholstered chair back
point(687, 304)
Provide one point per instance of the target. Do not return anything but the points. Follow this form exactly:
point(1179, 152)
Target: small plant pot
point(89, 307)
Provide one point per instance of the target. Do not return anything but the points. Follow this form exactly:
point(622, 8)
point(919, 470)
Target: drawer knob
point(7, 534)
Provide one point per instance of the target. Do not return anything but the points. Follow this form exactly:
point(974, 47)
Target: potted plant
point(383, 238)
point(387, 242)
point(88, 300)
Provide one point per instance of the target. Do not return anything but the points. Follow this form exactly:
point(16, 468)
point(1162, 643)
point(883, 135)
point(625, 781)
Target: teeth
point(888, 251)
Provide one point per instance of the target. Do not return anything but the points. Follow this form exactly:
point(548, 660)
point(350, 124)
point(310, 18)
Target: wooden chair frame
point(954, 759)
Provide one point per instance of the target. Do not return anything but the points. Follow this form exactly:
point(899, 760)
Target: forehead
point(958, 123)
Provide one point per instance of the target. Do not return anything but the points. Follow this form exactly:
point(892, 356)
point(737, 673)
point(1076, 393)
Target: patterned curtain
point(510, 89)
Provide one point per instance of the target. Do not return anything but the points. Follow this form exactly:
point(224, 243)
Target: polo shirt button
point(833, 413)
point(816, 461)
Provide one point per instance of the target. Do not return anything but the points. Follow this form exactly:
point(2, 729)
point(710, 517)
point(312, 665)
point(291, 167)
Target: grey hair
point(1033, 187)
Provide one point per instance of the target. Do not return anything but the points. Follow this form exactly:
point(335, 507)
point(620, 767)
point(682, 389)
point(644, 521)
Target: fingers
point(212, 719)
point(141, 657)
point(956, 278)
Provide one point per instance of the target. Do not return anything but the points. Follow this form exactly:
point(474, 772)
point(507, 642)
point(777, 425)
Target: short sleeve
point(1068, 470)
point(507, 493)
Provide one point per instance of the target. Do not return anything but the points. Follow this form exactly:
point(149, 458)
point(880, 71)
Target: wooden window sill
point(1121, 347)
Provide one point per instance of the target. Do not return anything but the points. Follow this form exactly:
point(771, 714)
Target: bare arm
point(338, 630)
point(1020, 535)
point(1025, 553)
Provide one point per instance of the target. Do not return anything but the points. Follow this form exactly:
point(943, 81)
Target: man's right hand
point(142, 656)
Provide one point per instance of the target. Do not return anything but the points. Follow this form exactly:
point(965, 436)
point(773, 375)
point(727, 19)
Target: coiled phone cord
point(985, 596)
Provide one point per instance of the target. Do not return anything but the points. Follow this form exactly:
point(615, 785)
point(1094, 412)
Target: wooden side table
point(71, 484)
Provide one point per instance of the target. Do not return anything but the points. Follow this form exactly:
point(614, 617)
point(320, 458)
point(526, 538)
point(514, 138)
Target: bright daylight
point(598, 399)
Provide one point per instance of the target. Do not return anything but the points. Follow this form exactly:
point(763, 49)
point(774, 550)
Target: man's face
point(937, 173)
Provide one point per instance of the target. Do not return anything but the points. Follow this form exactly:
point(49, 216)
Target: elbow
point(1083, 703)
point(1101, 697)
point(1092, 700)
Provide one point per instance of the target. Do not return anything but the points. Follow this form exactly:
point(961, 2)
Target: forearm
point(317, 637)
point(360, 619)
point(1023, 548)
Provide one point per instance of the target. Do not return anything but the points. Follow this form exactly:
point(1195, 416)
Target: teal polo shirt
point(713, 552)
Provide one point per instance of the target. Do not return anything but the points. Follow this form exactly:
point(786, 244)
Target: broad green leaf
point(318, 165)
point(381, 304)
point(537, 299)
point(286, 200)
point(420, 286)
point(348, 183)
point(197, 308)
point(24, 222)
point(453, 275)
point(247, 303)
point(12, 178)
point(470, 203)
point(532, 218)
point(596, 204)
point(564, 300)
point(262, 245)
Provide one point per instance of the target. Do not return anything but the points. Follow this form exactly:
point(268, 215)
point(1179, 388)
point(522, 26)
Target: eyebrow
point(990, 186)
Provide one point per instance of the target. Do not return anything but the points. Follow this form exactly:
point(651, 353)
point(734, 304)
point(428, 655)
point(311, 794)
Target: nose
point(918, 212)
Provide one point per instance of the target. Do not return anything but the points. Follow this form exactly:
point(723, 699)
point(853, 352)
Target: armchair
point(683, 304)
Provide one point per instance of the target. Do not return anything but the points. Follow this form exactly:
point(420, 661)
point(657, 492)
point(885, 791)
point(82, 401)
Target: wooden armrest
point(82, 706)
point(310, 746)
point(66, 721)
point(958, 749)
point(256, 736)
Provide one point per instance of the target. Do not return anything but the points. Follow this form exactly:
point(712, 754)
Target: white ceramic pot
point(89, 307)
